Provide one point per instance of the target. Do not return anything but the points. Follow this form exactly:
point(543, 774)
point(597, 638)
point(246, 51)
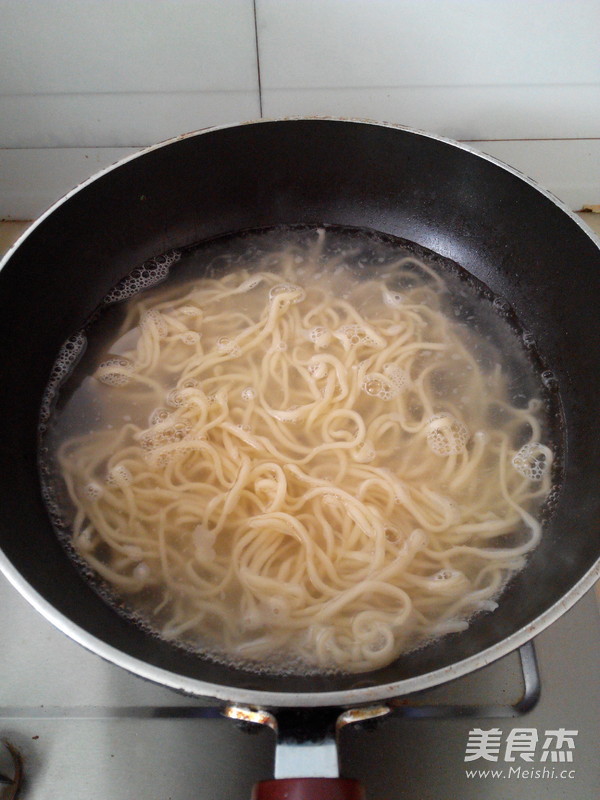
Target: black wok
point(495, 223)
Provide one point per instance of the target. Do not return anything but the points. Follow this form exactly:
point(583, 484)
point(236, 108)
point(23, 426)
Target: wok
point(498, 225)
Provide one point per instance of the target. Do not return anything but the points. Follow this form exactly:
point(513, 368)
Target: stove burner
point(13, 785)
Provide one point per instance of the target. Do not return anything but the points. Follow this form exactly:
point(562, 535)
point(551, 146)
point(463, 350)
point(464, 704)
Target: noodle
point(319, 486)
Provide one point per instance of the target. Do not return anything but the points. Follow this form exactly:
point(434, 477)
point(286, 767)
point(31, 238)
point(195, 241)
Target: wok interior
point(440, 196)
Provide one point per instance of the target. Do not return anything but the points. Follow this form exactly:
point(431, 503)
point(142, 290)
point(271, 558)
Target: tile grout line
point(260, 103)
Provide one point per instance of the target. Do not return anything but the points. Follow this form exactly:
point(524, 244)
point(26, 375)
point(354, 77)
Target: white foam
point(149, 274)
point(227, 346)
point(359, 336)
point(119, 475)
point(159, 415)
point(385, 387)
point(446, 435)
point(175, 398)
point(320, 336)
point(533, 461)
point(249, 284)
point(93, 490)
point(287, 291)
point(154, 320)
point(398, 376)
point(392, 299)
point(163, 433)
point(190, 311)
point(114, 372)
point(528, 339)
point(68, 355)
point(189, 337)
point(317, 368)
point(549, 380)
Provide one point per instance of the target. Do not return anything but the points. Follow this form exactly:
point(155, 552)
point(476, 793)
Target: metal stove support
point(308, 738)
point(403, 707)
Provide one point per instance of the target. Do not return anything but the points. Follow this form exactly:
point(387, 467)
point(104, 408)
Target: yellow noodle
point(304, 496)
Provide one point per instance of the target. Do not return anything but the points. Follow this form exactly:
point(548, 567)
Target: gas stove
point(526, 726)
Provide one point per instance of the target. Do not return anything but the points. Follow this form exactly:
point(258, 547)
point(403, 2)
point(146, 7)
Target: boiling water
point(283, 449)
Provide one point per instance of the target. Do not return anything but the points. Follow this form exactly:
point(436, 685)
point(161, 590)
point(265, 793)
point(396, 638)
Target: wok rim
point(272, 699)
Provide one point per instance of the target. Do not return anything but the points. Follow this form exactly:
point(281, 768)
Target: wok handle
point(309, 789)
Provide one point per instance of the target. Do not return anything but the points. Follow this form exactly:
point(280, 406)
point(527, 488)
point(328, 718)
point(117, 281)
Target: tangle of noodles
point(310, 475)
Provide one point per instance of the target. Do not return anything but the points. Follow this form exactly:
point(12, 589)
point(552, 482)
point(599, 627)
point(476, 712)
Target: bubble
point(141, 571)
point(549, 380)
point(154, 320)
point(320, 336)
point(371, 385)
point(501, 304)
point(446, 435)
point(248, 393)
point(391, 298)
point(528, 340)
point(159, 415)
point(398, 377)
point(190, 383)
point(317, 368)
point(163, 433)
point(287, 291)
point(68, 355)
point(277, 607)
point(190, 311)
point(385, 387)
point(443, 575)
point(114, 372)
point(227, 346)
point(449, 581)
point(249, 284)
point(358, 335)
point(149, 274)
point(533, 461)
point(119, 476)
point(190, 337)
point(175, 398)
point(93, 490)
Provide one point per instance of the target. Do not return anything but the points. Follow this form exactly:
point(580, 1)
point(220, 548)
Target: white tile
point(461, 112)
point(128, 72)
point(31, 180)
point(464, 68)
point(388, 43)
point(569, 169)
point(117, 120)
point(126, 46)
